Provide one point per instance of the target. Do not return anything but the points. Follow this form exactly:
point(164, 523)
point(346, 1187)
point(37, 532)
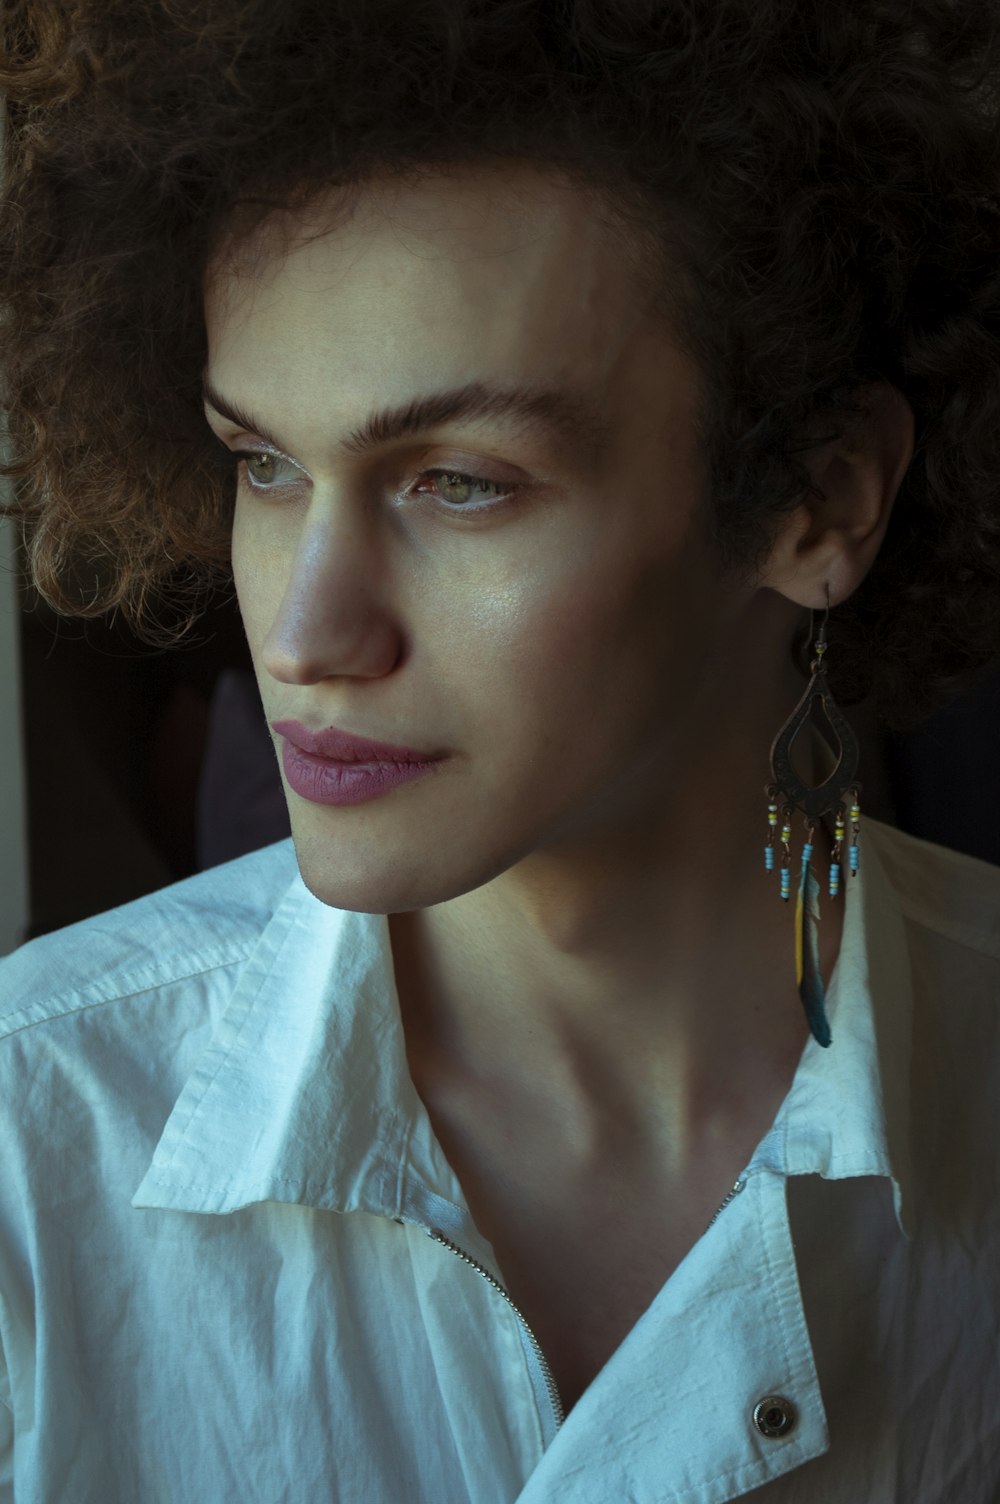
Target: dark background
point(146, 766)
point(116, 740)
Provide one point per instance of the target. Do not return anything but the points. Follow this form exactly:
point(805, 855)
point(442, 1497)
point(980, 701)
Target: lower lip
point(323, 781)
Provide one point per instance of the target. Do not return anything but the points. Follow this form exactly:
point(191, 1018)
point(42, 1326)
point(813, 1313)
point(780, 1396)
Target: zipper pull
point(738, 1185)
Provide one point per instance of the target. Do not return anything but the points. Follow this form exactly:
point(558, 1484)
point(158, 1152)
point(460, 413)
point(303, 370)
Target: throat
point(586, 1226)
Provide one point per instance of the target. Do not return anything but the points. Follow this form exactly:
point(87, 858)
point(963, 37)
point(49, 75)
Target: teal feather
point(810, 976)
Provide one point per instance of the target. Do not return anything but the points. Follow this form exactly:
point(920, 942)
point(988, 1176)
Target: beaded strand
point(807, 849)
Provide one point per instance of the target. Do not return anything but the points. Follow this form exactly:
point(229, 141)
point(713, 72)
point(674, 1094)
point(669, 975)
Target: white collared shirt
point(217, 1185)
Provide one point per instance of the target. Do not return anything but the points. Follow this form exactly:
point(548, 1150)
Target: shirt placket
point(715, 1391)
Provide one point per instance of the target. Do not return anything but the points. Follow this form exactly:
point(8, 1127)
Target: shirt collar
point(304, 1095)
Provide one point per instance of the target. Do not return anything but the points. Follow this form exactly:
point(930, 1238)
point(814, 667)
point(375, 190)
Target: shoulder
point(940, 891)
point(194, 927)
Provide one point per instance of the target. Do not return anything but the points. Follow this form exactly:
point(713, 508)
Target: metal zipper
point(547, 1373)
point(737, 1186)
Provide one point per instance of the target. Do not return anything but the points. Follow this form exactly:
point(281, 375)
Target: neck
point(653, 969)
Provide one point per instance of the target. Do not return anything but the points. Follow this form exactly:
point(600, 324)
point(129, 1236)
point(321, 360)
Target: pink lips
point(341, 746)
point(334, 767)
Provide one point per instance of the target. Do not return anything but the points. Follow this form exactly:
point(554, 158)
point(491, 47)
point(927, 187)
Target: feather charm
point(808, 974)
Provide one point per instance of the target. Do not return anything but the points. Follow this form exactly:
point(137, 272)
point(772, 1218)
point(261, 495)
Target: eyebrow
point(557, 411)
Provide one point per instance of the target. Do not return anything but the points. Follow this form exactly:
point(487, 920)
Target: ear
point(833, 541)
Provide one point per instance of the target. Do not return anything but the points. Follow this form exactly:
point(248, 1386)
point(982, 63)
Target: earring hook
point(819, 637)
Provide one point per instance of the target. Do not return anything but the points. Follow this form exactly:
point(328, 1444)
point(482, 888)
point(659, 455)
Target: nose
point(335, 617)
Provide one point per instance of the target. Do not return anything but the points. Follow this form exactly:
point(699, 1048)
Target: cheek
point(256, 577)
point(586, 633)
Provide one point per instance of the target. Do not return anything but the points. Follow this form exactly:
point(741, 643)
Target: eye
point(461, 492)
point(265, 470)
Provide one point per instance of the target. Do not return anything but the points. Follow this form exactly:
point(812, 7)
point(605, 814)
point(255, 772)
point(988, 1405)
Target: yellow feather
point(799, 927)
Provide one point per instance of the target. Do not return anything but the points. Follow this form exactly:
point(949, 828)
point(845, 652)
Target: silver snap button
point(774, 1415)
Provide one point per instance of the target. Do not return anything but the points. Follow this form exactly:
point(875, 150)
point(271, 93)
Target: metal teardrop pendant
point(828, 795)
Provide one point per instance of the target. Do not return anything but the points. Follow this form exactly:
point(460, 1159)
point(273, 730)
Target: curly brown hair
point(822, 181)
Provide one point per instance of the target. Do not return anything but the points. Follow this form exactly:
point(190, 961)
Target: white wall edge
point(13, 821)
point(13, 786)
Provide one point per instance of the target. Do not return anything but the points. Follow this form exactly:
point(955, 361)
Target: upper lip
point(342, 746)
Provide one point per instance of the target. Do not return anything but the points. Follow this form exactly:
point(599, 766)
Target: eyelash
point(241, 456)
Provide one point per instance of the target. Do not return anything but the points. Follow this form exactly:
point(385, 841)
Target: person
point(595, 398)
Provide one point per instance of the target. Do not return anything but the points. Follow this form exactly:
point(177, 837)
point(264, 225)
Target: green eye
point(260, 468)
point(464, 491)
point(263, 469)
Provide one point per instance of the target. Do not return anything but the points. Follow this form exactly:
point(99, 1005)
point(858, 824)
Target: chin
point(363, 891)
point(366, 878)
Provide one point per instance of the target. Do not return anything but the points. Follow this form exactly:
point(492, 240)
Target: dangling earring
point(788, 791)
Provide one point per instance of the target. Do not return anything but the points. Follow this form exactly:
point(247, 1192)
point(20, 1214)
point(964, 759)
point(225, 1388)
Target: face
point(525, 594)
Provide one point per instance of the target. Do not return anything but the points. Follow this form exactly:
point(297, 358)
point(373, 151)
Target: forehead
point(529, 266)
